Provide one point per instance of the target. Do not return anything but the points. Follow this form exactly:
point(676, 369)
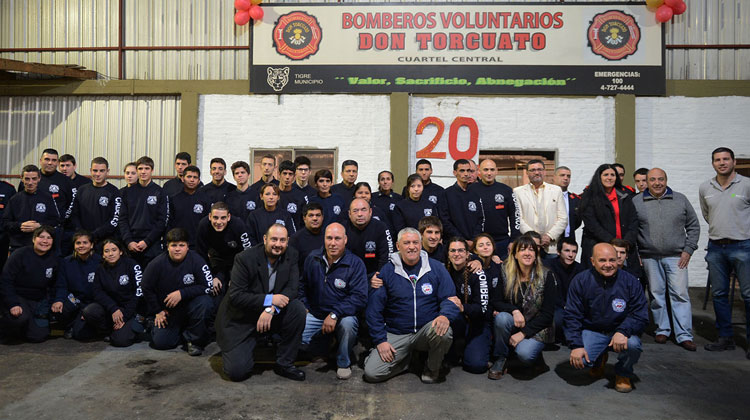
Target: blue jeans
point(596, 344)
point(528, 350)
point(346, 336)
point(721, 259)
point(662, 273)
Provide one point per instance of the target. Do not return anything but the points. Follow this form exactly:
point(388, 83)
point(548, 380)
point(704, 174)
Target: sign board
point(484, 48)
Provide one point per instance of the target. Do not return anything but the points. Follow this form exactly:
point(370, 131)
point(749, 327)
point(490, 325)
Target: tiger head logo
point(278, 78)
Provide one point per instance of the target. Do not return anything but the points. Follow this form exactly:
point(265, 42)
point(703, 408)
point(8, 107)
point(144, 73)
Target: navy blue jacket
point(119, 286)
point(574, 219)
point(144, 214)
point(259, 183)
point(24, 207)
point(242, 203)
point(408, 213)
point(215, 193)
point(461, 213)
point(76, 277)
point(431, 192)
point(78, 182)
point(401, 306)
point(604, 305)
point(346, 193)
point(260, 220)
point(97, 210)
point(340, 289)
point(6, 192)
point(476, 307)
point(306, 242)
point(563, 277)
point(373, 244)
point(58, 186)
point(28, 275)
point(440, 253)
point(186, 211)
point(219, 248)
point(502, 215)
point(386, 202)
point(191, 277)
point(308, 190)
point(293, 201)
point(334, 208)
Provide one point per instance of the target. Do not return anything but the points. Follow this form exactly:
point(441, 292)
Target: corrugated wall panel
point(85, 23)
point(119, 128)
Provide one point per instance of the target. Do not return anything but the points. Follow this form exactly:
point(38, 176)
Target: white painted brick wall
point(678, 134)
point(358, 125)
point(580, 130)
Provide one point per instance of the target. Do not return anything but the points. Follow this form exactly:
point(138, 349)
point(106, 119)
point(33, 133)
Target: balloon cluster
point(665, 9)
point(246, 10)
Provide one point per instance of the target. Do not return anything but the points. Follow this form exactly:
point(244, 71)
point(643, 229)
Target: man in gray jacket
point(667, 236)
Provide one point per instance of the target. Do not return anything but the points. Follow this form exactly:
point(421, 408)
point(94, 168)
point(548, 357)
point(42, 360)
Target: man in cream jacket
point(542, 207)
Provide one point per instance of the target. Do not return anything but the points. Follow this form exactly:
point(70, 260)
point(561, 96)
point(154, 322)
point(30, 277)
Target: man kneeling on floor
point(606, 309)
point(176, 287)
point(411, 311)
point(262, 298)
point(334, 290)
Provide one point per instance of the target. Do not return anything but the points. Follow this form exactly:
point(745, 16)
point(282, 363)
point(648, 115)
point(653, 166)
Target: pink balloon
point(680, 8)
point(242, 4)
point(241, 17)
point(664, 13)
point(256, 12)
point(672, 3)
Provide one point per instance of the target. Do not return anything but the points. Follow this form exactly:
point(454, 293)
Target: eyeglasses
point(457, 251)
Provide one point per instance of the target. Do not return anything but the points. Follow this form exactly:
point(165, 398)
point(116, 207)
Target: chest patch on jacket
point(427, 288)
point(618, 305)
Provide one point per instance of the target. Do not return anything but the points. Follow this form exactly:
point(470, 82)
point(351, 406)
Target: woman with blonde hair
point(524, 307)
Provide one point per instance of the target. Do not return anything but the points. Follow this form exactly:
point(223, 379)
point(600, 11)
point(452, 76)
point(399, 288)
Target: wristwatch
point(333, 316)
point(268, 310)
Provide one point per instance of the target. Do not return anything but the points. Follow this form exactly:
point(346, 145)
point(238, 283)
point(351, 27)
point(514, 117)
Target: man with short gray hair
point(411, 311)
point(667, 236)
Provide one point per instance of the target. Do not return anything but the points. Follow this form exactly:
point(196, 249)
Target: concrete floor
point(62, 379)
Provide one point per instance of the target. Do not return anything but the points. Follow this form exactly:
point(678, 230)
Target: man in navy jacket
point(411, 311)
point(606, 308)
point(334, 290)
point(460, 209)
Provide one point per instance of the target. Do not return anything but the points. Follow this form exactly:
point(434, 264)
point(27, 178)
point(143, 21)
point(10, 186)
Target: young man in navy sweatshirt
point(189, 206)
point(243, 199)
point(176, 287)
point(144, 214)
point(310, 237)
point(459, 208)
point(96, 207)
point(218, 188)
point(29, 209)
point(181, 161)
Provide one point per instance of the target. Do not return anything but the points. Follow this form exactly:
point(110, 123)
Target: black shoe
point(723, 343)
point(194, 350)
point(289, 372)
point(747, 354)
point(68, 334)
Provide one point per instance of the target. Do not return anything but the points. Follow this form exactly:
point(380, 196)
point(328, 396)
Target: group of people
point(472, 274)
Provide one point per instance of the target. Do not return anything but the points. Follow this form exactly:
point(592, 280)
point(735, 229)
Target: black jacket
point(260, 220)
point(186, 211)
point(599, 224)
point(191, 277)
point(502, 215)
point(24, 207)
point(144, 214)
point(119, 287)
point(306, 242)
point(6, 192)
point(543, 318)
point(242, 203)
point(574, 219)
point(58, 186)
point(408, 213)
point(28, 275)
point(373, 244)
point(461, 213)
point(220, 248)
point(97, 210)
point(214, 193)
point(239, 310)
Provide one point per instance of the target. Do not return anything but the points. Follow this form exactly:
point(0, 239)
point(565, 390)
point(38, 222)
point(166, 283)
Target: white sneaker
point(344, 373)
point(429, 377)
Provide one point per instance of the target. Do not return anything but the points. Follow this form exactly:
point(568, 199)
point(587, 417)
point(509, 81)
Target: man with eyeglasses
point(542, 208)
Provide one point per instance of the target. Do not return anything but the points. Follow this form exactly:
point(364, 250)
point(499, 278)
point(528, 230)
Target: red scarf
point(612, 196)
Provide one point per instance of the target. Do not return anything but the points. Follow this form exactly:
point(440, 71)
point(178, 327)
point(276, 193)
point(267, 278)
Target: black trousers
point(97, 321)
point(289, 324)
point(31, 324)
point(188, 321)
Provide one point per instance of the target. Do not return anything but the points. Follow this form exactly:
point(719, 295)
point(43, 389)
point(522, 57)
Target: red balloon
point(241, 17)
point(256, 12)
point(664, 13)
point(680, 8)
point(672, 3)
point(242, 4)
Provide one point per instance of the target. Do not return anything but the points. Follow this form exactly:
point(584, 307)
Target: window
point(511, 164)
point(743, 167)
point(319, 158)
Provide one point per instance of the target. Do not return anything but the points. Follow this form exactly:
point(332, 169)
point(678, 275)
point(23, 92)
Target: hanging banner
point(561, 49)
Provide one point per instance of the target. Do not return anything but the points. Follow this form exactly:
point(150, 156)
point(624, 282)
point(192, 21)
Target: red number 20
point(427, 152)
